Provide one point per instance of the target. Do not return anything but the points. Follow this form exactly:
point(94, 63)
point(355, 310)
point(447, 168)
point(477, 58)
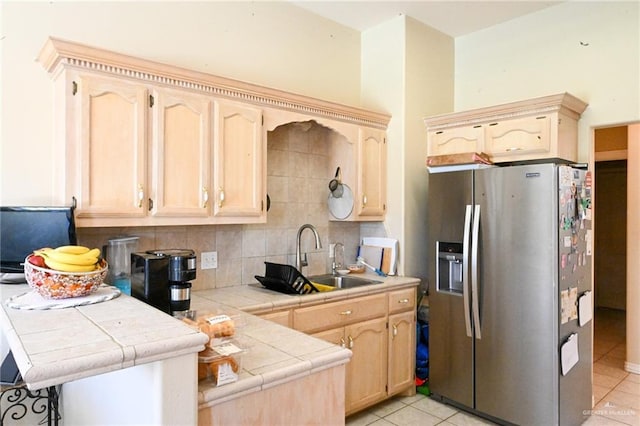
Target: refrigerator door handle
point(475, 295)
point(465, 270)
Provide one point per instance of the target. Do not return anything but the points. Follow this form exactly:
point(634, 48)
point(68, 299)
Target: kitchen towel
point(32, 300)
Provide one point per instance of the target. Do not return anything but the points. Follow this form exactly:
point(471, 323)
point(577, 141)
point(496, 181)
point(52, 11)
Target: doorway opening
point(610, 261)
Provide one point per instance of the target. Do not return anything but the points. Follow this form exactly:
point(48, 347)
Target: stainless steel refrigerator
point(510, 329)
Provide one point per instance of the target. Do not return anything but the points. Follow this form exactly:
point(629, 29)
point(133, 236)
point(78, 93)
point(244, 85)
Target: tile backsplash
point(298, 173)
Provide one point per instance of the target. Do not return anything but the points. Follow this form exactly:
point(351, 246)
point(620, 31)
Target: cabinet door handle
point(403, 301)
point(515, 148)
point(140, 195)
point(221, 197)
point(350, 342)
point(342, 342)
point(364, 200)
point(347, 312)
point(394, 330)
point(205, 197)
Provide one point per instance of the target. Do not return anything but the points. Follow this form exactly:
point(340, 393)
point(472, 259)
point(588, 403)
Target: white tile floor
point(616, 392)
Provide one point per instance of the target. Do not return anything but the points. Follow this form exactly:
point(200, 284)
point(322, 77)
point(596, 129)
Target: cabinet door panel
point(181, 152)
point(402, 349)
point(457, 140)
point(238, 161)
point(112, 166)
point(372, 177)
point(367, 375)
point(519, 136)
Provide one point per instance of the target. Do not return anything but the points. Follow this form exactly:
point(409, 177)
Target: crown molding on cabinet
point(563, 102)
point(58, 53)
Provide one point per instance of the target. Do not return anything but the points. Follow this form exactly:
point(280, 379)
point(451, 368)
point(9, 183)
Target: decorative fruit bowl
point(53, 284)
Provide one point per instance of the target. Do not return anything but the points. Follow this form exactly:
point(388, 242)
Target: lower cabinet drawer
point(335, 314)
point(402, 300)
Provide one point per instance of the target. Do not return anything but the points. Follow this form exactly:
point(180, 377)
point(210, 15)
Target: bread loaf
point(211, 368)
point(215, 326)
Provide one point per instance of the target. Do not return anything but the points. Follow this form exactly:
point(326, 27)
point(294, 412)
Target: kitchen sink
point(339, 281)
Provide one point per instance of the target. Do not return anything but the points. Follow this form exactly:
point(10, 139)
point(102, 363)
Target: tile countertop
point(276, 354)
point(55, 346)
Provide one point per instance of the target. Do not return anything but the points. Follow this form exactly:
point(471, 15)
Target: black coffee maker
point(161, 279)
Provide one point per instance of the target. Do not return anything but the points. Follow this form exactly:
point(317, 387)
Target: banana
point(72, 259)
point(65, 267)
point(93, 252)
point(72, 249)
point(70, 262)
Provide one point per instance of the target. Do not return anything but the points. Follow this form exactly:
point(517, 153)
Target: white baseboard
point(631, 367)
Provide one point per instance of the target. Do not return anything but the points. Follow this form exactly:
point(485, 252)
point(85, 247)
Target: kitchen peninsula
point(145, 361)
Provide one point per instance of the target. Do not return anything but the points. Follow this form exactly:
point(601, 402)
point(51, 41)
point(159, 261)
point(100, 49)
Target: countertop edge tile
point(319, 360)
point(193, 342)
point(39, 376)
point(279, 373)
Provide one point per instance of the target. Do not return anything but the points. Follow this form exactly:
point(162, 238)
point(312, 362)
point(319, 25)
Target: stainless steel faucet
point(335, 265)
point(301, 259)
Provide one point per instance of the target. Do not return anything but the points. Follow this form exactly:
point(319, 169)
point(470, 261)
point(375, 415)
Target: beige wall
point(413, 79)
point(589, 49)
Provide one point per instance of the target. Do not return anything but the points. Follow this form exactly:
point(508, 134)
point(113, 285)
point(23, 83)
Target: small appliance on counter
point(161, 279)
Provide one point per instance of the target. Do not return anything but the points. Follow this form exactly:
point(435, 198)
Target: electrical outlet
point(209, 260)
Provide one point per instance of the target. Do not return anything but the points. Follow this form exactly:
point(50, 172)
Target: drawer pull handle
point(221, 197)
point(514, 149)
point(205, 197)
point(140, 195)
point(347, 312)
point(403, 301)
point(350, 342)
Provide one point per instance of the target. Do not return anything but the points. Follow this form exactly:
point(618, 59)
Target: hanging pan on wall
point(340, 197)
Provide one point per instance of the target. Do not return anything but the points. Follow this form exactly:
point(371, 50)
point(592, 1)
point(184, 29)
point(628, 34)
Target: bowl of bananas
point(66, 271)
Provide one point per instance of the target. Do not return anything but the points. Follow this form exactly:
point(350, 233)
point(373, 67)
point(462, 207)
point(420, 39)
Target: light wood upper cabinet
point(107, 165)
point(544, 128)
point(144, 153)
point(455, 141)
point(371, 198)
point(181, 154)
point(519, 136)
point(239, 157)
point(198, 156)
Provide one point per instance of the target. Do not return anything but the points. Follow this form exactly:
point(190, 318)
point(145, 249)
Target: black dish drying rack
point(285, 279)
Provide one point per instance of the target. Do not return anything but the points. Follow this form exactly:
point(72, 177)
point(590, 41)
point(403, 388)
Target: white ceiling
point(451, 17)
